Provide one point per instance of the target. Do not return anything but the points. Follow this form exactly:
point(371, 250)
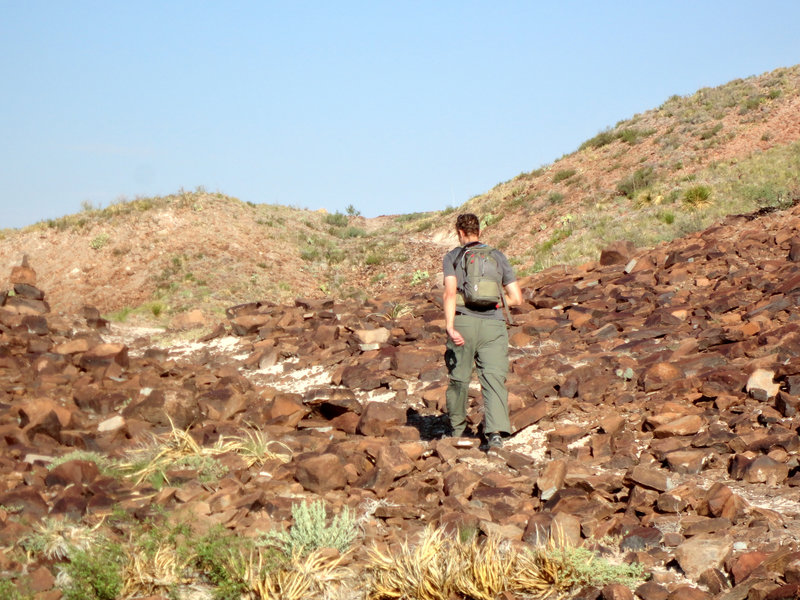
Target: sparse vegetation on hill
point(656, 176)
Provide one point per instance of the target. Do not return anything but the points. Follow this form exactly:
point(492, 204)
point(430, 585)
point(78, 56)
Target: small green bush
point(95, 574)
point(337, 219)
point(697, 196)
point(563, 175)
point(9, 591)
point(601, 139)
point(310, 531)
point(100, 241)
point(555, 198)
point(636, 182)
point(419, 277)
point(666, 217)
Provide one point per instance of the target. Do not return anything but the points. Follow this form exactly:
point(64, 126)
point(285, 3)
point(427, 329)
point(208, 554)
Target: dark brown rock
point(321, 473)
point(377, 417)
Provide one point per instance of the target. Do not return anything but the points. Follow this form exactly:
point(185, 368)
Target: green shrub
point(309, 253)
point(666, 217)
point(9, 591)
point(213, 556)
point(709, 133)
point(100, 241)
point(633, 136)
point(636, 182)
point(563, 175)
point(555, 197)
point(337, 219)
point(419, 277)
point(601, 139)
point(697, 196)
point(310, 531)
point(95, 574)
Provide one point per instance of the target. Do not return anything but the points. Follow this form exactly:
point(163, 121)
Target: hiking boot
point(495, 441)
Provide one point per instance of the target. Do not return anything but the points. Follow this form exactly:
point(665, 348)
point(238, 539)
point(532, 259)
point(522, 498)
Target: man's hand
point(458, 340)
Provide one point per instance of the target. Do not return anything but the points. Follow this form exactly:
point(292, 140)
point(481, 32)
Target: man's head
point(469, 225)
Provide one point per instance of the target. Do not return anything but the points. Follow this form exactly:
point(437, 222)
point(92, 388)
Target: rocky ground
point(654, 400)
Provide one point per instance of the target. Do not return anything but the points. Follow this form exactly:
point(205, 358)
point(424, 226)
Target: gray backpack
point(483, 277)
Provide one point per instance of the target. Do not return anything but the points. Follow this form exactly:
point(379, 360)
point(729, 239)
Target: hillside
point(659, 175)
point(654, 386)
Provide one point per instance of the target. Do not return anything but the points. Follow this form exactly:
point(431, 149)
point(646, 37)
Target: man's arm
point(449, 301)
point(513, 294)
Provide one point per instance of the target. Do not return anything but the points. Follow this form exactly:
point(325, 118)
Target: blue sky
point(391, 107)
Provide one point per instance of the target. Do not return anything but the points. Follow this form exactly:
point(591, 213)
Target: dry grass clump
point(147, 573)
point(441, 567)
point(295, 579)
point(178, 449)
point(56, 538)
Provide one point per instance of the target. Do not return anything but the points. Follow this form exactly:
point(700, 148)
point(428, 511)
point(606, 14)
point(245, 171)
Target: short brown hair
point(468, 223)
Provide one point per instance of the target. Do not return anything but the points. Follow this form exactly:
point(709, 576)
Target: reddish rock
point(377, 417)
point(551, 479)
point(660, 375)
point(701, 552)
point(766, 470)
point(687, 461)
point(616, 591)
point(321, 473)
point(688, 592)
point(651, 590)
point(745, 564)
point(619, 252)
point(685, 425)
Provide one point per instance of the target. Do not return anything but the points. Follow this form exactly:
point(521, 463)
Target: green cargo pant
point(485, 344)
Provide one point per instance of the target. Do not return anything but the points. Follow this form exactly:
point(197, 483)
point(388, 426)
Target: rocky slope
point(654, 398)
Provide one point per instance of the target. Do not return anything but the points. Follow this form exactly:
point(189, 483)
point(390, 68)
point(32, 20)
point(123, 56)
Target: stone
point(651, 590)
point(745, 564)
point(660, 375)
point(551, 479)
point(761, 385)
point(193, 319)
point(22, 274)
point(687, 461)
point(379, 335)
point(616, 591)
point(377, 417)
point(617, 253)
point(766, 470)
point(641, 538)
point(685, 425)
point(688, 592)
point(701, 552)
point(656, 479)
point(321, 473)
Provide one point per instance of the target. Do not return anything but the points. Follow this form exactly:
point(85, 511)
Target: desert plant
point(311, 531)
point(419, 277)
point(255, 448)
point(441, 567)
point(57, 539)
point(9, 591)
point(601, 139)
point(636, 181)
point(697, 196)
point(563, 174)
point(94, 574)
point(100, 241)
point(337, 219)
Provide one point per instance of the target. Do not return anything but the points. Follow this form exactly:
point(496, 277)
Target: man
point(477, 334)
